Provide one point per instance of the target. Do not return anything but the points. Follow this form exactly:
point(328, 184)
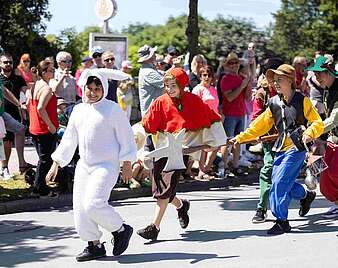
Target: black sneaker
point(279, 228)
point(92, 252)
point(183, 215)
point(121, 240)
point(150, 232)
point(260, 216)
point(305, 203)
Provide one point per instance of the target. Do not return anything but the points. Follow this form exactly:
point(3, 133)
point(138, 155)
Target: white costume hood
point(103, 74)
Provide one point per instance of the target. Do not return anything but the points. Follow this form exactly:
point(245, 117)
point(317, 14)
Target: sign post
point(118, 44)
point(105, 10)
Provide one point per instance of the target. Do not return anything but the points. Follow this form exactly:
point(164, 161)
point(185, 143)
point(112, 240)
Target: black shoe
point(92, 252)
point(305, 203)
point(279, 228)
point(260, 216)
point(183, 216)
point(121, 239)
point(150, 232)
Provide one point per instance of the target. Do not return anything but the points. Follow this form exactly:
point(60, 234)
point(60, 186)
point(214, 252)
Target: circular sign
point(105, 9)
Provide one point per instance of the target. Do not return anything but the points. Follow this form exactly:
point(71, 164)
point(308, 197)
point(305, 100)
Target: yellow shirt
point(264, 122)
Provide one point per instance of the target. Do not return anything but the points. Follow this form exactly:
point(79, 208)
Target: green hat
point(322, 64)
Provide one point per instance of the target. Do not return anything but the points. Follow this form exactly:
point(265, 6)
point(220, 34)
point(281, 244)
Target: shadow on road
point(17, 246)
point(316, 224)
point(166, 256)
point(250, 203)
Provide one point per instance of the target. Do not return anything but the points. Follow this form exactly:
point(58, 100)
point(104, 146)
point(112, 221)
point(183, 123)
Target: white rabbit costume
point(104, 136)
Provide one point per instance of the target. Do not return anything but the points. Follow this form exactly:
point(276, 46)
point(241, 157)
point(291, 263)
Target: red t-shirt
point(164, 116)
point(36, 125)
point(237, 106)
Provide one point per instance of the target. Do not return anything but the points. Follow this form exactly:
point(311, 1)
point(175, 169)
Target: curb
point(28, 205)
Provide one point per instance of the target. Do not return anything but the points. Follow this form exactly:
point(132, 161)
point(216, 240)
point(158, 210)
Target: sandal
point(204, 177)
point(25, 168)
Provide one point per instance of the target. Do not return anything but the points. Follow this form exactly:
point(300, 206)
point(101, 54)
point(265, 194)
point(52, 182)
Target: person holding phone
point(64, 84)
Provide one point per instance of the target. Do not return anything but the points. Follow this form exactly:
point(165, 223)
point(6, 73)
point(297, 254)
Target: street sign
point(118, 44)
point(105, 9)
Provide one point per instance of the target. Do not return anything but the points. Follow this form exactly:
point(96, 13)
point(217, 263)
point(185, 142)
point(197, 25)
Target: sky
point(80, 13)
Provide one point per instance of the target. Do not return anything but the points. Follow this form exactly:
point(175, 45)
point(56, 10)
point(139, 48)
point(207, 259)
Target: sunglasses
point(67, 61)
point(7, 62)
point(26, 61)
point(109, 60)
point(206, 75)
point(233, 62)
point(97, 55)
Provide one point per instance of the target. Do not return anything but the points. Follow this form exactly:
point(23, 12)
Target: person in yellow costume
point(290, 111)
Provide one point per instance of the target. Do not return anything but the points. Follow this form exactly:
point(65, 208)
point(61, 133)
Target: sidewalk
point(25, 205)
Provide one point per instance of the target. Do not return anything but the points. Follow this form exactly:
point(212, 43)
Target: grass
point(14, 189)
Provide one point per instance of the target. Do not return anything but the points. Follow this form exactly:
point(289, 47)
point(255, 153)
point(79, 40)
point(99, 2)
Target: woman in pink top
point(208, 93)
point(205, 90)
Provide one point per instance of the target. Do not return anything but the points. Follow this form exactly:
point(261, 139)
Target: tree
point(218, 37)
point(223, 35)
point(21, 26)
point(73, 42)
point(303, 27)
point(192, 31)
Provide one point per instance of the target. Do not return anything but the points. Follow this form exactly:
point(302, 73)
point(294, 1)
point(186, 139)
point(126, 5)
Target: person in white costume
point(104, 136)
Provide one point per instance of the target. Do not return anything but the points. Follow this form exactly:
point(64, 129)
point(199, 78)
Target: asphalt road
point(220, 235)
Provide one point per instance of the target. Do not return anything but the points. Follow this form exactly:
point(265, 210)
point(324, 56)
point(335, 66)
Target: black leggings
point(45, 145)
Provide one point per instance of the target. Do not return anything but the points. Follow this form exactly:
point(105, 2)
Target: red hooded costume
point(168, 114)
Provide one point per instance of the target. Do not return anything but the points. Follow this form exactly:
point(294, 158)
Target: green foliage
point(217, 37)
point(21, 27)
point(305, 26)
point(73, 42)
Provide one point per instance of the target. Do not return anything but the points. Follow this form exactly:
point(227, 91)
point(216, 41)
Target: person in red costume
point(169, 114)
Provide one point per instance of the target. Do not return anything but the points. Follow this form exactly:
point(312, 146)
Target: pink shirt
point(77, 77)
point(237, 106)
point(208, 95)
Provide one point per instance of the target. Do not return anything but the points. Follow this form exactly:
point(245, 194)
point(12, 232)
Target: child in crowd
point(124, 95)
point(103, 134)
point(140, 174)
point(172, 113)
point(62, 118)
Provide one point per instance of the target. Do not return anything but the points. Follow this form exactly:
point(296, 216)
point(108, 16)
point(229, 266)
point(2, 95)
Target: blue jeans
point(286, 168)
point(233, 125)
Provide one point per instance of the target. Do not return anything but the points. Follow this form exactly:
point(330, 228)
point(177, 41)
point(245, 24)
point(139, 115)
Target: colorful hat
point(180, 76)
point(323, 64)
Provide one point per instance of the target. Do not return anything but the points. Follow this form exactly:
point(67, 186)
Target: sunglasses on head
point(97, 55)
point(7, 62)
point(109, 60)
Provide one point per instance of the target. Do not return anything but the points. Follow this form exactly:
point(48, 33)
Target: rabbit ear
point(113, 74)
point(83, 78)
